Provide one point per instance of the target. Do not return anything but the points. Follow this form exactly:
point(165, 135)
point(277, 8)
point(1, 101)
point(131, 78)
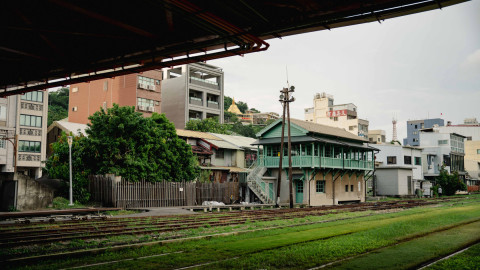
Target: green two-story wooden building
point(329, 164)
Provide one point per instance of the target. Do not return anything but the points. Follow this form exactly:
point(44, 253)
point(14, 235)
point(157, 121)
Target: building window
point(74, 89)
point(74, 109)
point(335, 118)
point(407, 160)
point(29, 146)
point(391, 160)
point(105, 85)
point(478, 151)
point(351, 188)
point(147, 83)
point(416, 126)
point(30, 120)
point(320, 186)
point(2, 143)
point(415, 139)
point(3, 113)
point(442, 142)
point(36, 96)
point(346, 188)
point(219, 153)
point(418, 161)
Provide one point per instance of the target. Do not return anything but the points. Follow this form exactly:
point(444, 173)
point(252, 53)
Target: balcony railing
point(196, 101)
point(316, 162)
point(213, 105)
point(205, 83)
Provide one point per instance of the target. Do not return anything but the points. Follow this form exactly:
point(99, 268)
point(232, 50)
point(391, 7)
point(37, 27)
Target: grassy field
point(363, 242)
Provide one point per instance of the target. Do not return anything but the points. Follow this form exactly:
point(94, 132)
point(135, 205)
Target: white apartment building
point(377, 136)
point(342, 115)
point(399, 170)
point(192, 92)
point(447, 149)
point(23, 127)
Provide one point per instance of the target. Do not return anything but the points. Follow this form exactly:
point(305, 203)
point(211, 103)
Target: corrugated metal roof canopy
point(57, 42)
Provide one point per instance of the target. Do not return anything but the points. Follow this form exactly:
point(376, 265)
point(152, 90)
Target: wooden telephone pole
point(285, 99)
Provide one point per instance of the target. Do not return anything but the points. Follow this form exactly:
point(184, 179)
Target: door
point(299, 191)
point(270, 191)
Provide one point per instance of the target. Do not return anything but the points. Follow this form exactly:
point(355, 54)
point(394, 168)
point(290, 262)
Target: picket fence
point(124, 194)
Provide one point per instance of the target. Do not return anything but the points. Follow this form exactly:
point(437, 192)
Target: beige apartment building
point(325, 112)
point(23, 131)
point(141, 90)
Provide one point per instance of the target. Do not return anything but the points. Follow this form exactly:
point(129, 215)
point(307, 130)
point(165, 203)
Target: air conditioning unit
point(141, 108)
point(151, 87)
point(150, 109)
point(142, 86)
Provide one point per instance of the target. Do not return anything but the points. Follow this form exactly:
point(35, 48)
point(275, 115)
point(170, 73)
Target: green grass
point(469, 259)
point(413, 253)
point(306, 246)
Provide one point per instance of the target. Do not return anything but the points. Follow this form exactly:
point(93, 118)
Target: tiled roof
point(68, 127)
point(196, 134)
point(327, 130)
point(239, 141)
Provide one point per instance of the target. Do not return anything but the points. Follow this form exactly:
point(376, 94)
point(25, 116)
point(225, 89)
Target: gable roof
point(196, 134)
point(68, 127)
point(315, 128)
point(239, 141)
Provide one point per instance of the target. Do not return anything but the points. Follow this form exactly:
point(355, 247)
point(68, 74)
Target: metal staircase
point(254, 181)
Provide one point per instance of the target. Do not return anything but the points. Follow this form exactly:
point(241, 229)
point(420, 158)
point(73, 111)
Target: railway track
point(42, 234)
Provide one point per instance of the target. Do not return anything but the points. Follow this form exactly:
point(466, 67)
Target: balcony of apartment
point(212, 101)
point(195, 98)
point(194, 115)
point(204, 79)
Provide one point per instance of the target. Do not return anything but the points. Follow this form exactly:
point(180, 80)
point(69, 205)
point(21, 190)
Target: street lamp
point(70, 140)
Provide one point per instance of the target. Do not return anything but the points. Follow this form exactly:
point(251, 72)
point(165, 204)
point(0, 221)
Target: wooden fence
point(120, 193)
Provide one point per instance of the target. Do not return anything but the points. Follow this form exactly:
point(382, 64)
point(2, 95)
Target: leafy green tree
point(57, 105)
point(136, 148)
point(230, 117)
point(449, 183)
point(242, 106)
point(57, 166)
point(254, 110)
point(123, 142)
point(207, 125)
point(227, 101)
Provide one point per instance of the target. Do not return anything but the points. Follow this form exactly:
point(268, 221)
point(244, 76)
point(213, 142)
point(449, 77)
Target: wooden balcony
point(317, 162)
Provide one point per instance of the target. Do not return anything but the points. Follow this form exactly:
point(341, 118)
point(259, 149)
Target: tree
point(123, 142)
point(57, 166)
point(207, 125)
point(242, 106)
point(136, 148)
point(229, 117)
point(227, 101)
point(254, 110)
point(57, 105)
point(449, 183)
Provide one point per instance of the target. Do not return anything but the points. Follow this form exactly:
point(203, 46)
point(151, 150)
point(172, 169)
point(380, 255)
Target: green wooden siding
point(276, 131)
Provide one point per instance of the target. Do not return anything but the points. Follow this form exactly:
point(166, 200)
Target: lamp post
point(70, 140)
point(285, 98)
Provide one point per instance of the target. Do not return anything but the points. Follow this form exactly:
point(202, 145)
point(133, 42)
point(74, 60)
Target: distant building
point(192, 92)
point(55, 130)
point(23, 120)
point(376, 136)
point(226, 156)
point(414, 127)
point(471, 130)
point(442, 149)
point(342, 116)
point(399, 171)
point(141, 90)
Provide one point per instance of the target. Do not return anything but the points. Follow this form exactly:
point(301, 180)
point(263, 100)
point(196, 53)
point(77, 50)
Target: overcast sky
point(412, 67)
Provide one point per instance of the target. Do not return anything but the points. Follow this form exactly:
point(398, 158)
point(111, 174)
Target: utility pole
point(290, 176)
point(283, 96)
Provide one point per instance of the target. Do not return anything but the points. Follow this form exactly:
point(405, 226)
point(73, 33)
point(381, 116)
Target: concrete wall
point(31, 195)
point(174, 97)
point(394, 181)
